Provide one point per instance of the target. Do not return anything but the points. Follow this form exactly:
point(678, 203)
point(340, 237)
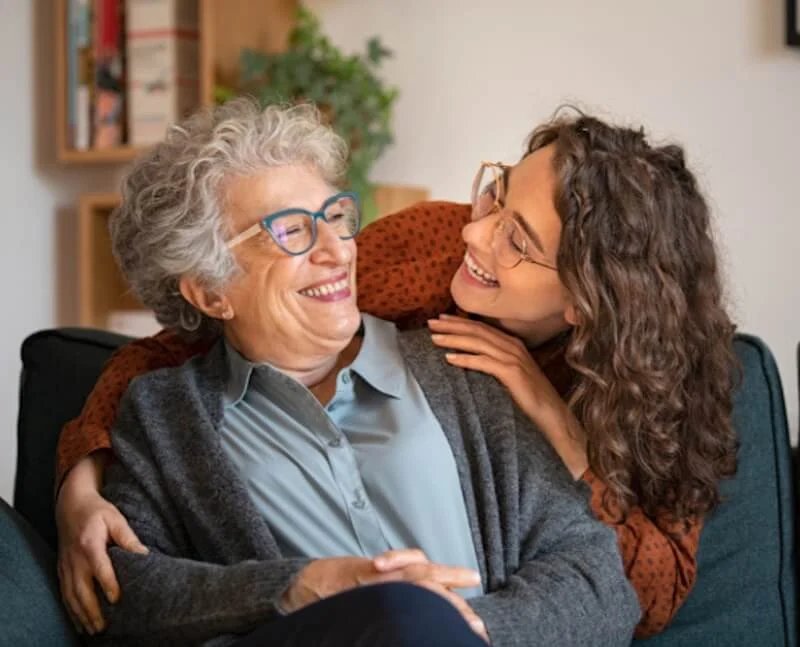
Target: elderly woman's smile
point(334, 289)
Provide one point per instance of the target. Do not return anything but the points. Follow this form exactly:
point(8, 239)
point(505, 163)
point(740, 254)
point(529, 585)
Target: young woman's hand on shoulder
point(488, 350)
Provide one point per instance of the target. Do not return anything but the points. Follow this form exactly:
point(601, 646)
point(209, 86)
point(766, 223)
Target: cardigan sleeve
point(568, 586)
point(170, 596)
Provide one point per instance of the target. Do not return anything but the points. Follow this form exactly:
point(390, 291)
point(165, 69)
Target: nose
point(478, 235)
point(329, 248)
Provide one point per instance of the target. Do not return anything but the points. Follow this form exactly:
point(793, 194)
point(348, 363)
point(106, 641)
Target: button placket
point(359, 503)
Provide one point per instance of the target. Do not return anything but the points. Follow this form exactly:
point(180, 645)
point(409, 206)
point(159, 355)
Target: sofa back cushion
point(59, 369)
point(745, 590)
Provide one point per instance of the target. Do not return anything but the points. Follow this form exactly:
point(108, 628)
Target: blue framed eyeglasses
point(295, 230)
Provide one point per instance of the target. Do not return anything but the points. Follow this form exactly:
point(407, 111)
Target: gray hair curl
point(170, 223)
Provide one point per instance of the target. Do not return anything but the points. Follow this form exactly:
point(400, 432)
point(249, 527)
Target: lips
point(331, 289)
point(476, 272)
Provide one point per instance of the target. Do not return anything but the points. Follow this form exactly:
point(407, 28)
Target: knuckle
point(86, 541)
point(517, 371)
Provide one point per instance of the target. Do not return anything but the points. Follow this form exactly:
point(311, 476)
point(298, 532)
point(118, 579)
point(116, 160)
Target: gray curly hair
point(170, 223)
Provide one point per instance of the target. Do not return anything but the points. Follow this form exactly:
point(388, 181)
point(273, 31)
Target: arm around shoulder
point(90, 432)
point(659, 557)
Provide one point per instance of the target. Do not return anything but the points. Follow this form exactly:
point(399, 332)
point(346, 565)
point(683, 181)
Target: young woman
point(592, 268)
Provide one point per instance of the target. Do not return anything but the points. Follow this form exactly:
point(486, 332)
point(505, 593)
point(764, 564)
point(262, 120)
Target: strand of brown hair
point(653, 348)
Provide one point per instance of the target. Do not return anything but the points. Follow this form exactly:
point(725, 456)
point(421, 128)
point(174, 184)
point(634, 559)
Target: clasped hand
point(325, 577)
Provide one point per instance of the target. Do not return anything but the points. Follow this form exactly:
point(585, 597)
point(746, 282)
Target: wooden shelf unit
point(226, 27)
point(101, 286)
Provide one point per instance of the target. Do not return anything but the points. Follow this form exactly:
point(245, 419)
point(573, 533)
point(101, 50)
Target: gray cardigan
point(552, 572)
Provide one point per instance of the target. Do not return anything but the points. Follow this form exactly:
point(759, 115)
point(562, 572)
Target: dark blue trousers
point(384, 615)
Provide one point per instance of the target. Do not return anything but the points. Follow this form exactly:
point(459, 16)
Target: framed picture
point(793, 22)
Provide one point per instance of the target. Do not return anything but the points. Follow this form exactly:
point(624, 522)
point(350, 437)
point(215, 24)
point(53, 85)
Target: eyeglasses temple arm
point(245, 235)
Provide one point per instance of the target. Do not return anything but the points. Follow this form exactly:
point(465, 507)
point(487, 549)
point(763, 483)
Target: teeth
point(327, 289)
point(478, 273)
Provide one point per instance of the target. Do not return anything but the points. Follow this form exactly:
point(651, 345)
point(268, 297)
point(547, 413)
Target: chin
point(348, 323)
point(467, 299)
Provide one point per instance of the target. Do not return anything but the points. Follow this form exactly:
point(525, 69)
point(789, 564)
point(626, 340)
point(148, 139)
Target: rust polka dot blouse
point(405, 263)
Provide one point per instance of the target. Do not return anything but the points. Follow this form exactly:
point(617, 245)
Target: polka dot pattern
point(405, 263)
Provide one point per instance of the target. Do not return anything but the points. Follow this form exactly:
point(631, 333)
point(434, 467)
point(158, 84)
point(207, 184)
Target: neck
point(309, 370)
point(314, 372)
point(537, 333)
point(317, 374)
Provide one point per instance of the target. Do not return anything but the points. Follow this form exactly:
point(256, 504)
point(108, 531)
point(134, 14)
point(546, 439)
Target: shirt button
point(346, 378)
point(359, 503)
point(336, 442)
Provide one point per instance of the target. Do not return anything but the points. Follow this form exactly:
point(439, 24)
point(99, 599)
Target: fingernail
point(380, 562)
point(111, 597)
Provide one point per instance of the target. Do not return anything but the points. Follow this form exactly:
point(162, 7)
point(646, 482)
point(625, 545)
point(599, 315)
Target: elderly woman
point(315, 450)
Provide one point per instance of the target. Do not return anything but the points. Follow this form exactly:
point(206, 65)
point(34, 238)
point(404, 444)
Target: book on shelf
point(109, 74)
point(162, 52)
point(80, 73)
point(132, 68)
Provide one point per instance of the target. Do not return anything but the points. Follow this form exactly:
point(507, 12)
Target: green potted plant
point(347, 90)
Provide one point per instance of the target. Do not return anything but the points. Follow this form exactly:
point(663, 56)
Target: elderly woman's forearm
point(203, 599)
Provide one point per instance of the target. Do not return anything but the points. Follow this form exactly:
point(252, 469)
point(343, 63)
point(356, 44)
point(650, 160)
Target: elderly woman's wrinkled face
point(291, 311)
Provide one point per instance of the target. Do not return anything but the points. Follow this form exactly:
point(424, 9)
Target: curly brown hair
point(652, 347)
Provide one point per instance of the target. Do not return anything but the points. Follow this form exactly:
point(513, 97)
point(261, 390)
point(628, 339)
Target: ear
point(569, 314)
point(211, 304)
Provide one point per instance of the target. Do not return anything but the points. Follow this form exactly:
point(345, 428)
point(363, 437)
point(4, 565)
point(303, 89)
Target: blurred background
point(466, 81)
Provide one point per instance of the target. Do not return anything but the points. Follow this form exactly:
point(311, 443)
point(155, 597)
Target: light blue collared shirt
point(368, 472)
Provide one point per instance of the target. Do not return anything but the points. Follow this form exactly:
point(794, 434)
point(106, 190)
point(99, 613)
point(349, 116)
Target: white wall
point(475, 77)
point(37, 214)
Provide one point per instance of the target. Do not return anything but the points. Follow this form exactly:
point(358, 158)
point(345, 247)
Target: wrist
point(86, 476)
point(567, 436)
point(297, 594)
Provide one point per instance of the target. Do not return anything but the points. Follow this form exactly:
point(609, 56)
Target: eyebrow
point(517, 216)
point(530, 231)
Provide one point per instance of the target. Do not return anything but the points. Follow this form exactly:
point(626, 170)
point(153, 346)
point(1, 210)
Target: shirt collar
point(379, 362)
point(239, 371)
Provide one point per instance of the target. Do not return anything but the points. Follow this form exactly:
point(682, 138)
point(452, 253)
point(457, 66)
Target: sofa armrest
point(31, 612)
